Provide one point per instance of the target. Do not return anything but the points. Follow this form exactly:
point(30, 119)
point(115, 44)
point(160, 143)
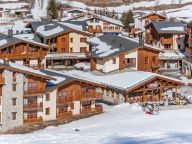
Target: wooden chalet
point(22, 50)
point(74, 96)
point(67, 42)
point(111, 53)
point(133, 86)
point(166, 35)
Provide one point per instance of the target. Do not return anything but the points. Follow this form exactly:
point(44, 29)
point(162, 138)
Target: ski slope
point(122, 124)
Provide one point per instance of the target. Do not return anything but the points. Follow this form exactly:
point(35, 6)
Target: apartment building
point(67, 43)
point(22, 50)
point(21, 90)
point(111, 53)
point(29, 96)
point(170, 37)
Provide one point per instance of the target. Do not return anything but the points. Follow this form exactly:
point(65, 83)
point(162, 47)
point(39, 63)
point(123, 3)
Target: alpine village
point(72, 63)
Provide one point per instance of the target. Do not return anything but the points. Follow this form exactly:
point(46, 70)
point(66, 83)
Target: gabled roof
point(110, 45)
point(51, 29)
point(169, 27)
point(63, 79)
point(6, 41)
point(153, 13)
point(23, 69)
point(125, 81)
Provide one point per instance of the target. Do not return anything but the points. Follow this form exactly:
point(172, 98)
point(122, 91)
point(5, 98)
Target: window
point(114, 61)
point(14, 114)
point(154, 58)
point(63, 49)
point(14, 101)
point(71, 40)
point(63, 39)
point(14, 76)
point(83, 39)
point(167, 36)
point(146, 60)
point(47, 97)
point(14, 87)
point(72, 106)
point(47, 111)
point(83, 49)
point(71, 49)
point(32, 85)
point(167, 46)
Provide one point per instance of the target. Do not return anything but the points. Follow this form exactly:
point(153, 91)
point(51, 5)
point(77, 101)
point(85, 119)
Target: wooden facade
point(152, 90)
point(148, 60)
point(77, 91)
point(24, 51)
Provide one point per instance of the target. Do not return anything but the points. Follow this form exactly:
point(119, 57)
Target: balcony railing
point(22, 56)
point(33, 92)
point(33, 120)
point(92, 96)
point(166, 41)
point(89, 110)
point(35, 66)
point(2, 80)
point(155, 65)
point(32, 106)
point(64, 114)
point(65, 100)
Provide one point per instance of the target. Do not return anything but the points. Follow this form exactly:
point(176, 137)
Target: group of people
point(151, 109)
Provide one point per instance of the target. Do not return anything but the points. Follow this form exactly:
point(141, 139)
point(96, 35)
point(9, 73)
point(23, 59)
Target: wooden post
point(52, 64)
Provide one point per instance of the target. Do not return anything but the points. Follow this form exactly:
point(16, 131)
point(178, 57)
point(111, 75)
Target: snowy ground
point(123, 124)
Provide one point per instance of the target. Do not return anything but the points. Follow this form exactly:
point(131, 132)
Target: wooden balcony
point(33, 106)
point(89, 110)
point(33, 120)
point(2, 80)
point(35, 66)
point(97, 30)
point(64, 114)
point(33, 92)
point(166, 41)
point(34, 55)
point(65, 100)
point(92, 96)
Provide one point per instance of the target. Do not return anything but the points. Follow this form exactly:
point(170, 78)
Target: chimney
point(10, 33)
point(141, 42)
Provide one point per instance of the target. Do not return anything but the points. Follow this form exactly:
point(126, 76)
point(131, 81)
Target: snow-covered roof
point(169, 27)
point(153, 13)
point(6, 40)
point(84, 66)
point(124, 80)
point(22, 68)
point(170, 55)
point(42, 30)
point(110, 45)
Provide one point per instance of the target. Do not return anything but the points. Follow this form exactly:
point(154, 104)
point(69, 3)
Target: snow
point(73, 26)
point(82, 65)
point(13, 5)
point(102, 48)
point(40, 9)
point(173, 29)
point(3, 42)
point(123, 8)
point(30, 40)
point(23, 68)
point(41, 30)
point(27, 36)
point(171, 55)
point(122, 124)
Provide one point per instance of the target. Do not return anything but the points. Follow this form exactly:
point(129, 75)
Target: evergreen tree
point(127, 19)
point(52, 9)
